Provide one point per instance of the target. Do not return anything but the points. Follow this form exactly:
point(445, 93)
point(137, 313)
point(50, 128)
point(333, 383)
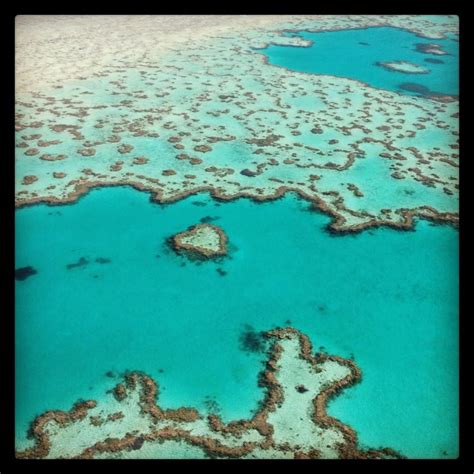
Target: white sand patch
point(204, 237)
point(292, 421)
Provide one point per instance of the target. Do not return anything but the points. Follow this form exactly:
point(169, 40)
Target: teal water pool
point(387, 298)
point(355, 54)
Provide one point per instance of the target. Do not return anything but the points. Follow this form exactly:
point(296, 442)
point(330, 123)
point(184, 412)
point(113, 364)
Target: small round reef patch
point(202, 241)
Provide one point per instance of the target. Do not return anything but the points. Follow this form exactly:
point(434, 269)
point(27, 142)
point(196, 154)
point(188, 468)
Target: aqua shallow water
point(385, 297)
point(354, 54)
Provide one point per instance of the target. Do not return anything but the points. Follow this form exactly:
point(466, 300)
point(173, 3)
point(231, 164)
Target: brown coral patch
point(267, 141)
point(86, 151)
point(115, 416)
point(44, 143)
point(125, 148)
point(202, 148)
point(168, 172)
point(140, 160)
point(32, 152)
point(52, 157)
point(120, 392)
point(29, 179)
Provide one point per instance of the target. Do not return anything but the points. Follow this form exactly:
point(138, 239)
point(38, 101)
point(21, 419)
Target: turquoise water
point(340, 53)
point(385, 297)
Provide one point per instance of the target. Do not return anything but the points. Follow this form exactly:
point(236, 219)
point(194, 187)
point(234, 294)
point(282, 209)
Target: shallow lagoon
point(355, 53)
point(385, 297)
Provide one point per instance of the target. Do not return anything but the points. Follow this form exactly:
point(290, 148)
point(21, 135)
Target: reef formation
point(201, 240)
point(178, 106)
point(291, 422)
point(404, 67)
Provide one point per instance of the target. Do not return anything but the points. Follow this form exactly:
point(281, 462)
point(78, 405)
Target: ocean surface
point(387, 298)
point(355, 53)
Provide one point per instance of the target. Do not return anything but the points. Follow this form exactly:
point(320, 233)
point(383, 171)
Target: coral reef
point(291, 422)
point(404, 67)
point(202, 240)
point(243, 127)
